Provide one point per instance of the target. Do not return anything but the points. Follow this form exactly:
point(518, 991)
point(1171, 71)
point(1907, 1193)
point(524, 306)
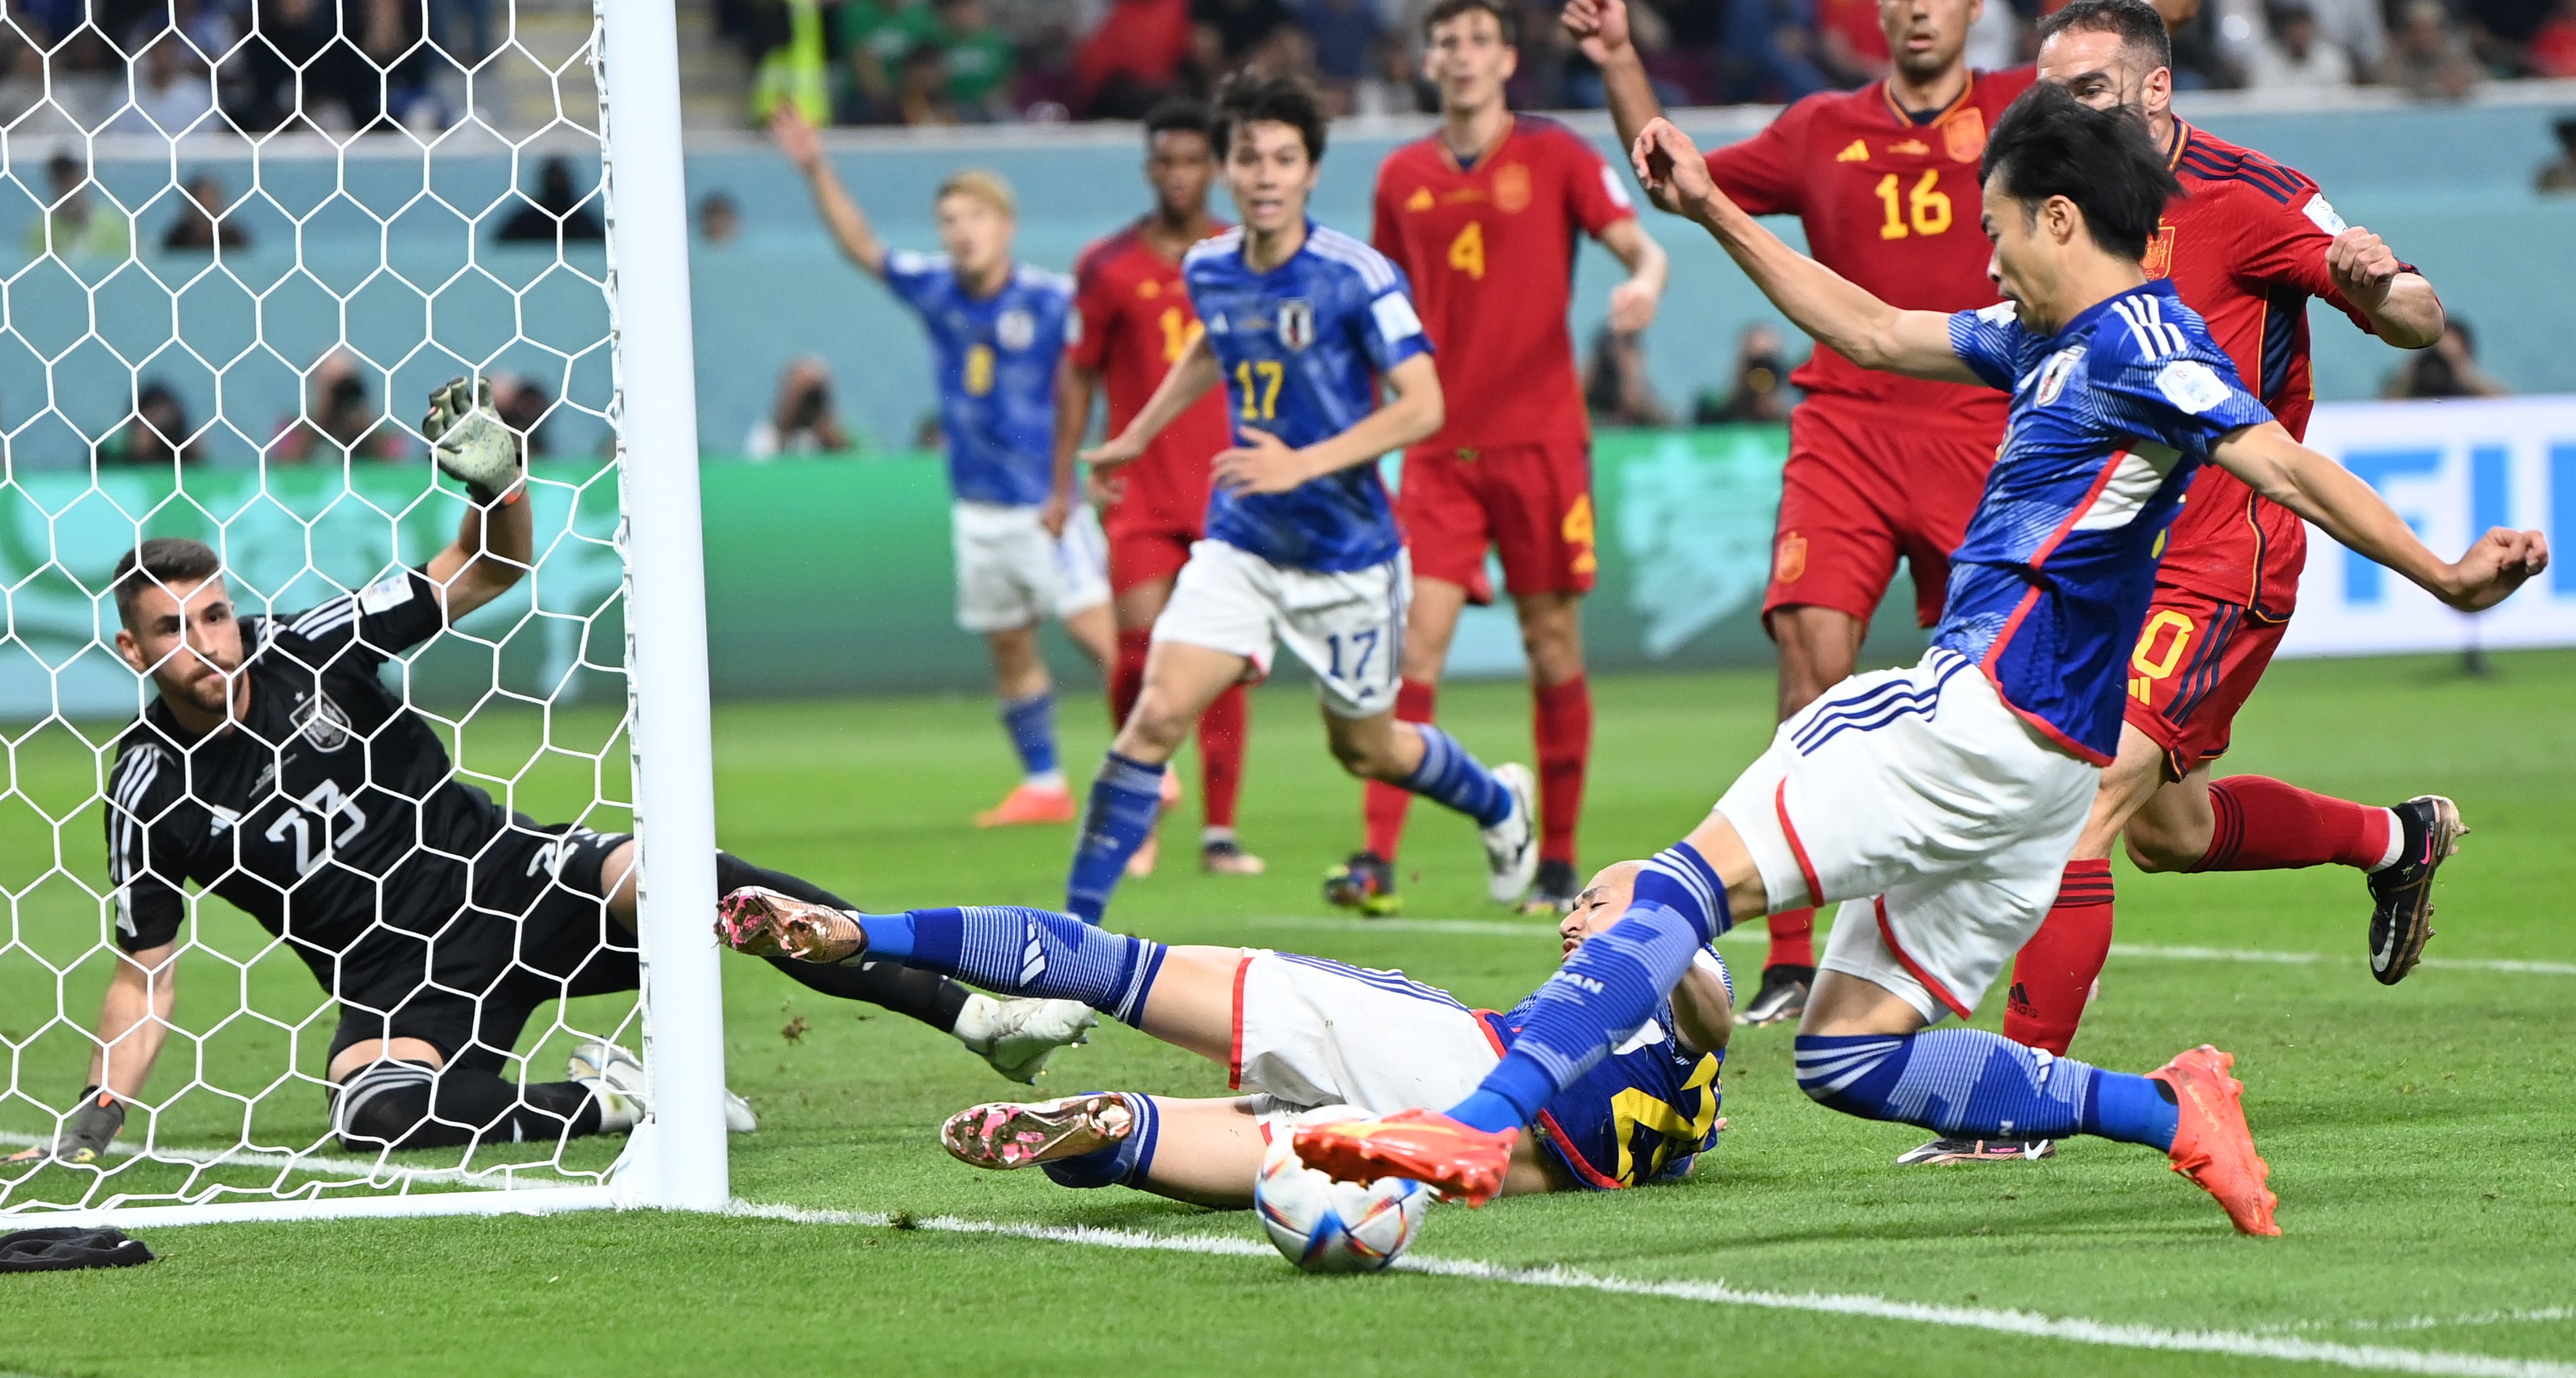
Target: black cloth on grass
point(60, 1249)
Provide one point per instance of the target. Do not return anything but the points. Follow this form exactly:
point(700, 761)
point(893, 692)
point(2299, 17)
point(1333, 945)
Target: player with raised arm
point(273, 768)
point(1136, 321)
point(1947, 797)
point(1304, 328)
point(1025, 549)
point(1309, 1040)
point(1884, 181)
point(1484, 217)
point(2247, 244)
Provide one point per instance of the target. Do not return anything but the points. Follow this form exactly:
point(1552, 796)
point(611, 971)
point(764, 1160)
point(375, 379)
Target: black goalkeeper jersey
point(330, 815)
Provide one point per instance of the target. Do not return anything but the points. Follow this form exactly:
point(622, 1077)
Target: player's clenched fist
point(1598, 27)
point(2498, 564)
point(1670, 168)
point(2363, 266)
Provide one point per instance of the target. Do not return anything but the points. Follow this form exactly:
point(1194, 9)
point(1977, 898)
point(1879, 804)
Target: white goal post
point(359, 293)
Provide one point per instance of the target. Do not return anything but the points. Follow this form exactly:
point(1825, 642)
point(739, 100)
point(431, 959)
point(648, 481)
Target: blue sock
point(1124, 801)
point(1031, 723)
point(1970, 1083)
point(1122, 1164)
point(1448, 775)
point(1608, 988)
point(1030, 952)
point(890, 937)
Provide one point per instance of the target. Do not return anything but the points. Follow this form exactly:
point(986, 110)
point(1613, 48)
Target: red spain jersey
point(1490, 249)
point(1136, 319)
point(2245, 246)
point(1891, 204)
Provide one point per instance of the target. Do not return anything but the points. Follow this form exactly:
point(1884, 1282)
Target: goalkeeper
point(275, 769)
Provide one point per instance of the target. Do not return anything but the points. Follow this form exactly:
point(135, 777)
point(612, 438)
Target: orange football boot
point(2212, 1145)
point(1424, 1145)
point(1027, 803)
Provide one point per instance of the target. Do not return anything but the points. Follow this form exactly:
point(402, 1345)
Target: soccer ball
point(1324, 1226)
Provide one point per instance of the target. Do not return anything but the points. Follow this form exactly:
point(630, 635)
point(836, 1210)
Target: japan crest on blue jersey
point(1301, 348)
point(2111, 416)
point(995, 363)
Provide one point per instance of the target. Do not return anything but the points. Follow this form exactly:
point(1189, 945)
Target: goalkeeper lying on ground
point(1303, 1034)
point(275, 770)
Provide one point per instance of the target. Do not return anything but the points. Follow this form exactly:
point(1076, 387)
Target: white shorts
point(1347, 627)
point(1921, 801)
point(1012, 574)
point(1310, 1033)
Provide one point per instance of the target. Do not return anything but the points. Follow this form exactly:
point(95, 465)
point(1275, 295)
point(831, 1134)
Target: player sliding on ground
point(274, 769)
point(1310, 1039)
point(1026, 550)
point(1947, 797)
point(1484, 216)
point(1304, 327)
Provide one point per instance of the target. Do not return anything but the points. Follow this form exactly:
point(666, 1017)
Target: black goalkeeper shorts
point(536, 928)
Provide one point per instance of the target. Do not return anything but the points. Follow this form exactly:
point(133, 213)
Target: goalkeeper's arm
point(494, 541)
point(133, 1023)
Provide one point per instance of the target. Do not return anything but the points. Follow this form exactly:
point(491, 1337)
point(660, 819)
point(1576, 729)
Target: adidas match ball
point(1324, 1226)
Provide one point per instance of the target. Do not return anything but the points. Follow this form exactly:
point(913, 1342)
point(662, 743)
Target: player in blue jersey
point(1304, 327)
point(1025, 549)
point(1941, 801)
point(1304, 1039)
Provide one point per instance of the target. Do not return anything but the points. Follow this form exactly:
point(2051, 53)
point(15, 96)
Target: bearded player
point(1485, 217)
point(1946, 797)
point(1308, 1040)
point(2247, 245)
point(1136, 321)
point(275, 769)
point(1884, 180)
point(1325, 367)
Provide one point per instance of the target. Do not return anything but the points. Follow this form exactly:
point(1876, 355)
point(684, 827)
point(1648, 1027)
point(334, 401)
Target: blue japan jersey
point(1642, 1114)
point(995, 359)
point(2111, 417)
point(1301, 347)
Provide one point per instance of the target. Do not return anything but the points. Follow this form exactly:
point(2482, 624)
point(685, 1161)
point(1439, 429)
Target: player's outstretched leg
point(406, 1103)
point(1224, 729)
point(1181, 680)
point(1429, 762)
point(2260, 824)
point(1366, 882)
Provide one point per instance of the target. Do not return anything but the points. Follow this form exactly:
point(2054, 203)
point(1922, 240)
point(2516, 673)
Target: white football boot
point(617, 1077)
point(1511, 846)
point(1018, 1036)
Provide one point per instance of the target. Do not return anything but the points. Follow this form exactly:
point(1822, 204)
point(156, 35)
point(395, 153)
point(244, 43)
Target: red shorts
point(1864, 485)
point(1531, 503)
point(2197, 661)
point(1143, 556)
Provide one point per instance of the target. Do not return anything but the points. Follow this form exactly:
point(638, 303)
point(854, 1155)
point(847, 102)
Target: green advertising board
point(824, 576)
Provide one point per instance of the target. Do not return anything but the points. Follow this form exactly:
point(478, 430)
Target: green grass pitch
point(2419, 1135)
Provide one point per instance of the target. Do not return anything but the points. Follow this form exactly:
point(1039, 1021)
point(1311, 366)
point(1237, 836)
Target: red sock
point(1221, 734)
point(1793, 939)
point(1385, 805)
point(2265, 825)
point(1127, 677)
point(2054, 975)
point(1561, 721)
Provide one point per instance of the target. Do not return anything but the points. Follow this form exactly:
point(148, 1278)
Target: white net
point(247, 237)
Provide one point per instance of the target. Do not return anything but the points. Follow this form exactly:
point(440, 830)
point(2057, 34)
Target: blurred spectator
point(1346, 34)
point(979, 62)
point(2501, 31)
point(1615, 387)
point(202, 225)
point(335, 66)
point(719, 220)
point(522, 404)
point(802, 422)
point(2448, 369)
point(2427, 57)
point(158, 434)
point(2552, 52)
point(1228, 31)
point(1850, 45)
point(1995, 39)
point(1760, 391)
point(1770, 52)
point(173, 92)
point(791, 62)
point(1139, 52)
point(2559, 173)
point(2357, 28)
point(2294, 55)
point(338, 422)
point(877, 39)
point(77, 226)
point(556, 207)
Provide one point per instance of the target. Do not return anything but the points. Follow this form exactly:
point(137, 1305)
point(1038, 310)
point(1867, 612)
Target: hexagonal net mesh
point(347, 936)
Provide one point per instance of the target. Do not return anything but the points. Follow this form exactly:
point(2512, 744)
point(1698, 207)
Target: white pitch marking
point(509, 1174)
point(2072, 1329)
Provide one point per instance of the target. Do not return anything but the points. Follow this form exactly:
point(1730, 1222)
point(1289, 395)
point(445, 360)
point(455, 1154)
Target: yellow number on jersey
point(1467, 251)
point(1633, 1109)
point(1927, 206)
point(979, 370)
point(1256, 381)
point(1179, 333)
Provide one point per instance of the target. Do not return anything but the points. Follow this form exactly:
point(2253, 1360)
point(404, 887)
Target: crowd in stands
point(967, 61)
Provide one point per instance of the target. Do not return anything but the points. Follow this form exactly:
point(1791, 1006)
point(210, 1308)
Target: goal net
point(243, 243)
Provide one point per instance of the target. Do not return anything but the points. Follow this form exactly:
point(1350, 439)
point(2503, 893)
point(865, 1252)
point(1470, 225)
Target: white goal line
point(2071, 1329)
point(512, 1176)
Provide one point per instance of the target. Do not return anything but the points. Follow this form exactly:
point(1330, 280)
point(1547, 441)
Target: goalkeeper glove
point(471, 442)
point(86, 1132)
